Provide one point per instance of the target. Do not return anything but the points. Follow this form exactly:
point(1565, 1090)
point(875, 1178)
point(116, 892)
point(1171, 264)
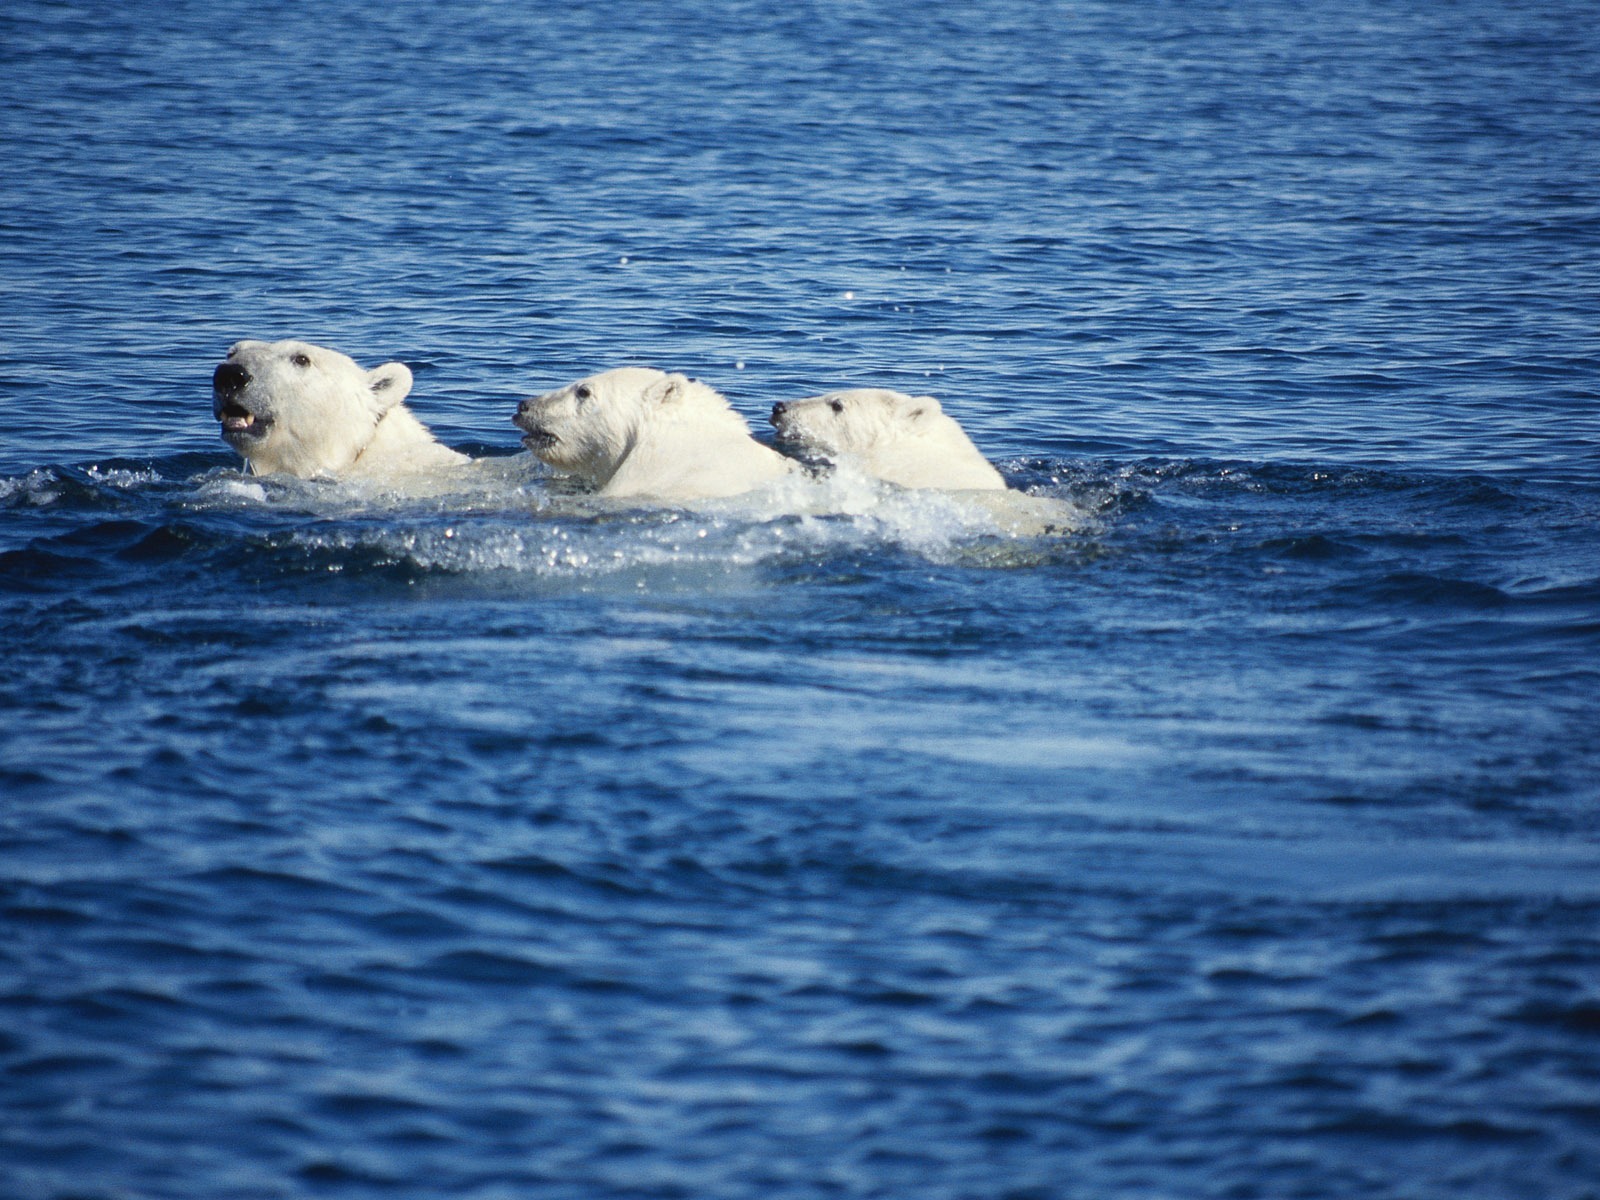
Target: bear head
point(301, 409)
point(589, 428)
point(856, 421)
point(908, 440)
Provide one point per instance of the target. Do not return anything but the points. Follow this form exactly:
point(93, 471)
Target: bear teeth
point(237, 419)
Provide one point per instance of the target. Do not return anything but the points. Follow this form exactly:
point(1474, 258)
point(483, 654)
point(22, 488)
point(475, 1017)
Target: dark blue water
point(1245, 843)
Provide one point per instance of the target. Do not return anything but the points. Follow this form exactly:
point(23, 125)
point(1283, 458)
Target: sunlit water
point(1238, 838)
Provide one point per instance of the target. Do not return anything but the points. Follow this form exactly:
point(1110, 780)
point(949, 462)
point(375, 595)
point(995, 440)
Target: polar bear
point(635, 431)
point(903, 439)
point(297, 409)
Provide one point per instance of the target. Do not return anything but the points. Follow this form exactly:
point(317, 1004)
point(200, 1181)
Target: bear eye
point(583, 392)
point(836, 405)
point(301, 360)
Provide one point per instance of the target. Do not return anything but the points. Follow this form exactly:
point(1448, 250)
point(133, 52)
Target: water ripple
point(1234, 837)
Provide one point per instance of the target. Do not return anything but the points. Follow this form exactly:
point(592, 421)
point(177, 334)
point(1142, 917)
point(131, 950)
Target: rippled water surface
point(1241, 839)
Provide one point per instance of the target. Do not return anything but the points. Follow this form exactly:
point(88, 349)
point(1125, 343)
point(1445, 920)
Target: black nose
point(229, 379)
point(778, 410)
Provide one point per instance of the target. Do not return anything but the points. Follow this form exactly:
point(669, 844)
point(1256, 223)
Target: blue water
point(1243, 843)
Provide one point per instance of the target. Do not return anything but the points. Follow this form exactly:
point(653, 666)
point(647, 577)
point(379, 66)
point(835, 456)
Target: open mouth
point(539, 438)
point(239, 423)
point(787, 435)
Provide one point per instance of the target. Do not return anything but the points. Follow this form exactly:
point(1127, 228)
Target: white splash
point(118, 478)
point(38, 488)
point(501, 518)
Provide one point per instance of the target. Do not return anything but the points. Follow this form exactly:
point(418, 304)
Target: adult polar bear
point(908, 440)
point(635, 431)
point(293, 408)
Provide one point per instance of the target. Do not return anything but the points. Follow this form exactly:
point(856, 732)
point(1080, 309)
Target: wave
point(500, 518)
point(1381, 537)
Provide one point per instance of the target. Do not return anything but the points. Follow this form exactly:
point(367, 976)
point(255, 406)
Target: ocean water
point(1241, 841)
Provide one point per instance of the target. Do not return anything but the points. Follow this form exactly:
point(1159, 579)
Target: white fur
point(903, 439)
point(635, 431)
point(297, 409)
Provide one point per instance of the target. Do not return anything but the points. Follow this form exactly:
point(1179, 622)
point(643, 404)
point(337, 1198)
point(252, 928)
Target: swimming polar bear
point(903, 439)
point(635, 431)
point(909, 442)
point(297, 409)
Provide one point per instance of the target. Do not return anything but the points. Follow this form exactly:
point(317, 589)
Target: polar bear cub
point(904, 439)
point(634, 431)
point(293, 408)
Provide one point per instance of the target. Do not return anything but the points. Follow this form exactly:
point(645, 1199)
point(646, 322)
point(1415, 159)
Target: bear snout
point(229, 379)
point(779, 410)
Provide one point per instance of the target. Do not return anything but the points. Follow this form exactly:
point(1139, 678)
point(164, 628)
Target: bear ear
point(668, 391)
point(923, 406)
point(389, 384)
